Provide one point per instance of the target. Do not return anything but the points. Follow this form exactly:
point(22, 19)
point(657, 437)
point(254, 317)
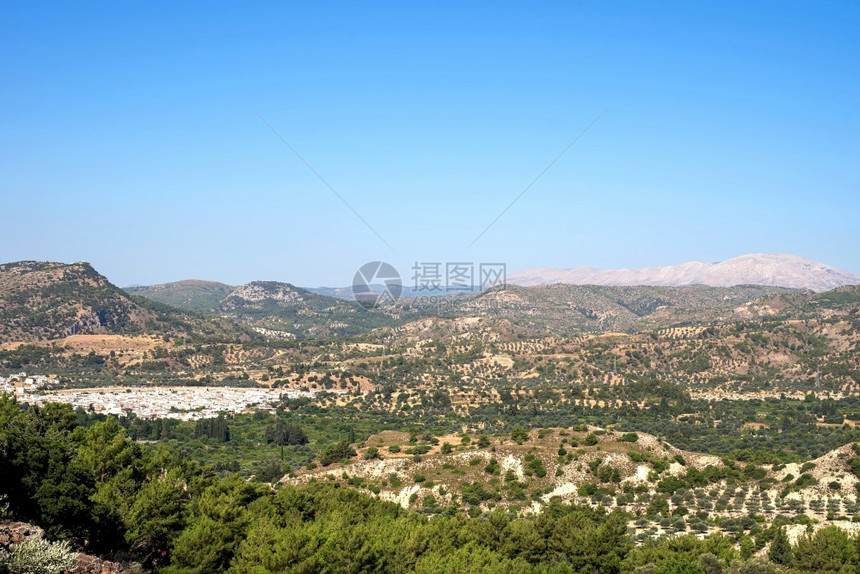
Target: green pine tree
point(780, 549)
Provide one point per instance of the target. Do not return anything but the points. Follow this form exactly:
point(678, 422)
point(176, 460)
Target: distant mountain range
point(41, 300)
point(773, 270)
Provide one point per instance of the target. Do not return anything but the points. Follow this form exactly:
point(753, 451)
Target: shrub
point(336, 452)
point(38, 556)
point(805, 480)
point(519, 434)
point(371, 453)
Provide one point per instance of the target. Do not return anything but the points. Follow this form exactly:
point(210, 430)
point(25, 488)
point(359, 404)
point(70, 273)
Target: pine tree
point(780, 548)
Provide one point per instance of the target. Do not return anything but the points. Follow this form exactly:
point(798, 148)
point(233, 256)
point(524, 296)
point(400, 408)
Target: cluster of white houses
point(21, 384)
point(185, 403)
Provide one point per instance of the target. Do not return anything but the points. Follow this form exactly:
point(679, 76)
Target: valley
point(705, 412)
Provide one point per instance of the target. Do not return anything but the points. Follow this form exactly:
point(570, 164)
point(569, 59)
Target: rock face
point(13, 533)
point(256, 293)
point(92, 565)
point(775, 270)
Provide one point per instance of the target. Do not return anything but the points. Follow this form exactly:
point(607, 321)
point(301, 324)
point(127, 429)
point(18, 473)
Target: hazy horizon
point(406, 279)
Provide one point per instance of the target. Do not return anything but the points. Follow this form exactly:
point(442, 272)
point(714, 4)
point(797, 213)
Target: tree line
point(109, 495)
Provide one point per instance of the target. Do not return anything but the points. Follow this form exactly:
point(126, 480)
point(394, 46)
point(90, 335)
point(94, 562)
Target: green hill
point(191, 295)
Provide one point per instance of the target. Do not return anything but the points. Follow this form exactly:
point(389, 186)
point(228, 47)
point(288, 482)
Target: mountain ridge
point(766, 269)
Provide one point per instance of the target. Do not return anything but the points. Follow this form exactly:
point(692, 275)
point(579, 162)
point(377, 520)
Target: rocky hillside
point(637, 472)
point(569, 309)
point(283, 311)
point(42, 300)
point(775, 270)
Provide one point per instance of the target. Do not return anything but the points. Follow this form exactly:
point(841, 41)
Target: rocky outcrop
point(93, 565)
point(12, 533)
point(256, 293)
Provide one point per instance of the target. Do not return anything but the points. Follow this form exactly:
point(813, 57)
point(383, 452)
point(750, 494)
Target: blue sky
point(129, 136)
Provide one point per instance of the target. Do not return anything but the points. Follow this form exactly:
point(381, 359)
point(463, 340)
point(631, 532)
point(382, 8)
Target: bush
point(587, 489)
point(805, 480)
point(371, 453)
point(38, 556)
point(519, 434)
point(493, 467)
point(534, 465)
point(474, 493)
point(336, 453)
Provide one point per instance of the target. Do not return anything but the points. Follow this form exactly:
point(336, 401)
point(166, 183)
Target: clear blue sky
point(128, 134)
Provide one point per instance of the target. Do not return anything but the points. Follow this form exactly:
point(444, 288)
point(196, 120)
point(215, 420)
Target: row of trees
point(214, 428)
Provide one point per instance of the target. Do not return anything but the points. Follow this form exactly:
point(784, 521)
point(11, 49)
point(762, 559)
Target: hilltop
point(190, 294)
point(45, 300)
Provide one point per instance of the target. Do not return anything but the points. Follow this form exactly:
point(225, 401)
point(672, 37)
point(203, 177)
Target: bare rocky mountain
point(775, 270)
